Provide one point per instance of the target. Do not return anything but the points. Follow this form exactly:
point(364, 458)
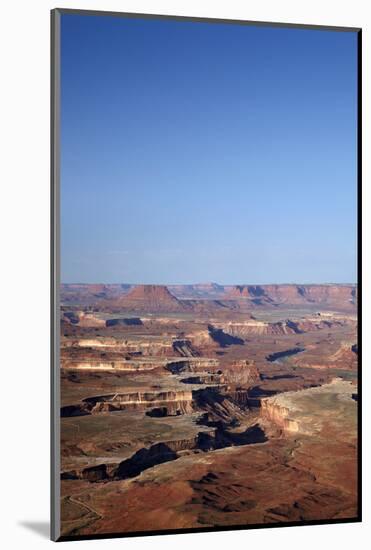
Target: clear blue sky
point(196, 152)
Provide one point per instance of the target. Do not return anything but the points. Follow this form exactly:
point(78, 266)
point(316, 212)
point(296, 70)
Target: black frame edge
point(359, 264)
point(197, 19)
point(54, 275)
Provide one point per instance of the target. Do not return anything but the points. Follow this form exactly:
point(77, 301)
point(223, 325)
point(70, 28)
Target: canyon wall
point(274, 411)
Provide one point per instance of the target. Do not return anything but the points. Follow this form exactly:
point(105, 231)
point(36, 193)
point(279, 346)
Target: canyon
point(186, 406)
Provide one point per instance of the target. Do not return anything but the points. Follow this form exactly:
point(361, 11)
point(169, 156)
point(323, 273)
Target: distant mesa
point(332, 295)
point(257, 295)
point(151, 298)
point(91, 294)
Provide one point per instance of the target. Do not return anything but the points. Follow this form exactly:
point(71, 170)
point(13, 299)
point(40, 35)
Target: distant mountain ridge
point(295, 294)
point(209, 296)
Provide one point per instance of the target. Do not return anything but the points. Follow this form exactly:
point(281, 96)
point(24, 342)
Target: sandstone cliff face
point(245, 329)
point(184, 348)
point(144, 397)
point(98, 364)
point(280, 328)
point(192, 365)
point(92, 343)
point(272, 410)
point(153, 348)
point(242, 372)
point(172, 403)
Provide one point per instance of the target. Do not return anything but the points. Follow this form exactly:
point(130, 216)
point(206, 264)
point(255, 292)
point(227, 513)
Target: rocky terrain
point(203, 405)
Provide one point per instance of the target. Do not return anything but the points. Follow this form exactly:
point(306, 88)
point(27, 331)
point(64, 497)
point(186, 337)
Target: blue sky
point(195, 152)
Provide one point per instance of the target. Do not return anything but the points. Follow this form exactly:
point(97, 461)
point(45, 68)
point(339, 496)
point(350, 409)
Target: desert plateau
point(203, 406)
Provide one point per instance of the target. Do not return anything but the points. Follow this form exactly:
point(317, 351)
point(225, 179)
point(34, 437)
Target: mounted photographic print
point(205, 190)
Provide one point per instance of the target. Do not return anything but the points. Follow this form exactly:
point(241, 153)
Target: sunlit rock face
point(273, 410)
point(300, 411)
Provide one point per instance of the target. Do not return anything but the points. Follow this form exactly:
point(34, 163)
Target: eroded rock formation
point(154, 298)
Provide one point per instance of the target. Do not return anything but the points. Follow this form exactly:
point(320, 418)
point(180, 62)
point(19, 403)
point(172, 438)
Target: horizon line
point(212, 283)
